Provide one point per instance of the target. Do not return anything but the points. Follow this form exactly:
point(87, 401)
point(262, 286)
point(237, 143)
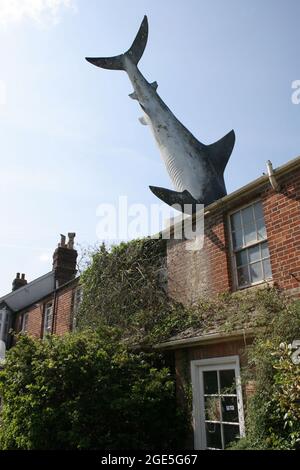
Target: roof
point(251, 188)
point(177, 342)
point(30, 293)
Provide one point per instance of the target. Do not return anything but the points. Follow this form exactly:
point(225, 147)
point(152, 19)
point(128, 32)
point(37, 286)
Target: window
point(48, 316)
point(251, 255)
point(76, 301)
point(218, 403)
point(24, 324)
point(4, 323)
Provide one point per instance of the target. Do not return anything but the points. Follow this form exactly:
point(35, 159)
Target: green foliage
point(125, 287)
point(273, 414)
point(87, 391)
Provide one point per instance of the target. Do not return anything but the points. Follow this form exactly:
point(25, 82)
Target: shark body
point(196, 170)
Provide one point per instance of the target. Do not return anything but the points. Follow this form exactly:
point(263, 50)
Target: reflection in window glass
point(230, 410)
point(231, 433)
point(210, 379)
point(250, 247)
point(243, 276)
point(256, 272)
point(227, 381)
point(213, 435)
point(212, 408)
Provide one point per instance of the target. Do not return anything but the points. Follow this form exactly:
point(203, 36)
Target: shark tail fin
point(134, 53)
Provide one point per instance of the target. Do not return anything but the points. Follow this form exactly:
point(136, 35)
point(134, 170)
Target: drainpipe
point(272, 178)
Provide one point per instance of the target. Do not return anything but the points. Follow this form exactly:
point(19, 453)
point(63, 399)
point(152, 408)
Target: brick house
point(47, 304)
point(251, 240)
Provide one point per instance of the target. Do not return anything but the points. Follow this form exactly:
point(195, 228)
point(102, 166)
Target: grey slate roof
point(31, 293)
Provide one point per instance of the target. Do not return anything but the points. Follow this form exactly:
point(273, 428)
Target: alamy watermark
point(296, 93)
point(124, 221)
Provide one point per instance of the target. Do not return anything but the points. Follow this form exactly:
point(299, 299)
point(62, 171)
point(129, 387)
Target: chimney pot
point(71, 236)
point(62, 241)
point(19, 282)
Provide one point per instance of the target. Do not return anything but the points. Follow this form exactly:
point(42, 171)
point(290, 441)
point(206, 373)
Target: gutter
point(207, 339)
point(246, 190)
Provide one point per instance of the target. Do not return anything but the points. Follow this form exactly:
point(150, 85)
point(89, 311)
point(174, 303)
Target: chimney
point(64, 260)
point(19, 281)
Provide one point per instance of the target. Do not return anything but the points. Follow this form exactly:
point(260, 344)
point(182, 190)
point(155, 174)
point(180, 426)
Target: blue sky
point(70, 137)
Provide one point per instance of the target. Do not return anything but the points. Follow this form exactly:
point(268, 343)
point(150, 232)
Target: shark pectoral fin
point(154, 85)
point(133, 96)
point(220, 151)
point(144, 120)
point(183, 201)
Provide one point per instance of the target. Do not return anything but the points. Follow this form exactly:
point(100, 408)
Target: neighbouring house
point(251, 240)
point(48, 304)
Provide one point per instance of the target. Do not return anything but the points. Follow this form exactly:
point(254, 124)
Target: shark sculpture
point(196, 169)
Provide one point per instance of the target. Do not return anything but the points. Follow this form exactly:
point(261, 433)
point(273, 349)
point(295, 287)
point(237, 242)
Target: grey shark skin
point(196, 170)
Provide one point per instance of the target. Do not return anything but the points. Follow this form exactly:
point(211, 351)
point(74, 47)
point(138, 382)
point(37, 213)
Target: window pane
point(265, 250)
point(258, 211)
point(256, 272)
point(210, 380)
point(212, 409)
point(254, 253)
point(249, 233)
point(241, 258)
point(213, 435)
point(230, 410)
point(261, 229)
point(247, 216)
point(236, 221)
point(267, 269)
point(227, 381)
point(243, 276)
point(237, 239)
point(231, 433)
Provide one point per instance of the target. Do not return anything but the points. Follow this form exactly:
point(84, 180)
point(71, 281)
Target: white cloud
point(45, 257)
point(42, 12)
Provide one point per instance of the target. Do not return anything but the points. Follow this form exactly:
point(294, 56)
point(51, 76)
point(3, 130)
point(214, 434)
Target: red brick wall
point(200, 272)
point(63, 315)
point(282, 217)
point(63, 311)
point(192, 274)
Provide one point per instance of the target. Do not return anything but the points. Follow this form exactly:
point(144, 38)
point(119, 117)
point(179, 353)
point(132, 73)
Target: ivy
point(87, 391)
point(125, 287)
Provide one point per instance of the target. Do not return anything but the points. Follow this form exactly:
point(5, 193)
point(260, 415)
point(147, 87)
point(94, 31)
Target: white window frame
point(77, 293)
point(233, 251)
point(47, 330)
point(199, 366)
point(24, 324)
point(4, 323)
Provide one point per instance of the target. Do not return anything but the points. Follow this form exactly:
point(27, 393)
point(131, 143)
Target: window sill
point(258, 285)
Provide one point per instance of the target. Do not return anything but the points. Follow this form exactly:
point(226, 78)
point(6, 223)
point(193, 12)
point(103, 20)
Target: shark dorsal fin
point(219, 152)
